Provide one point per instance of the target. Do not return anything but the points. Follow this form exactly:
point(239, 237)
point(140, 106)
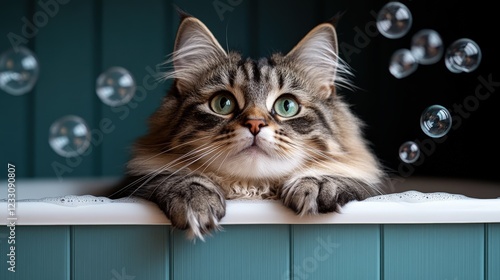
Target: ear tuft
point(181, 13)
point(335, 19)
point(195, 51)
point(317, 56)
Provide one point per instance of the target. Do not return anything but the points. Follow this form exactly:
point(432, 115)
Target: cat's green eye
point(223, 103)
point(286, 106)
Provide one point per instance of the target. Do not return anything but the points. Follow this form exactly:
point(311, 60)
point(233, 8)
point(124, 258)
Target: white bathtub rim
point(143, 212)
point(30, 210)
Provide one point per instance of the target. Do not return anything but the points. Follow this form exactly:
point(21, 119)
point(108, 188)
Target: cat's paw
point(312, 195)
point(195, 207)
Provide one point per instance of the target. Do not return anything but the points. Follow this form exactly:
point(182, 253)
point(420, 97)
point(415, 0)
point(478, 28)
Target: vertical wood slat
point(443, 251)
point(65, 48)
point(336, 252)
point(493, 255)
point(255, 252)
point(41, 252)
point(238, 252)
point(120, 252)
point(15, 124)
point(134, 36)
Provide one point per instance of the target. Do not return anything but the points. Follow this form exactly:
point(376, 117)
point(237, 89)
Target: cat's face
point(252, 119)
point(249, 119)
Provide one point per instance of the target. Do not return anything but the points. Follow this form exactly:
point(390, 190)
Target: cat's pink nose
point(254, 125)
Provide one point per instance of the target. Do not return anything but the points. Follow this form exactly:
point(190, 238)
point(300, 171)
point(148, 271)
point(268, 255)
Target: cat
point(237, 128)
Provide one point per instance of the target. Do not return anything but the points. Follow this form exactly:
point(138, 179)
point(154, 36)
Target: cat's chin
point(256, 164)
point(254, 151)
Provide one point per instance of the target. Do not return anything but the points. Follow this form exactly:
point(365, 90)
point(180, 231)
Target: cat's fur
point(193, 159)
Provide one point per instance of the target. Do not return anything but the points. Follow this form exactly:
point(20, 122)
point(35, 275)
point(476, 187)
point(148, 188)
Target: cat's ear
point(316, 55)
point(195, 48)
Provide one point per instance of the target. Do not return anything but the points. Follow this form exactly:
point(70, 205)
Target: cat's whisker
point(191, 159)
point(176, 147)
point(211, 160)
point(180, 169)
point(223, 161)
point(160, 170)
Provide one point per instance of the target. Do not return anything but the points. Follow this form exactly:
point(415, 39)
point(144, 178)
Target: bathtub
point(426, 228)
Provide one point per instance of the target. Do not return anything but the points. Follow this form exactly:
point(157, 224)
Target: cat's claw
point(312, 195)
point(195, 208)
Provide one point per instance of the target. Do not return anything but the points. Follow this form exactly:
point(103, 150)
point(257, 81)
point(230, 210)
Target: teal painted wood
point(41, 252)
point(239, 252)
point(336, 252)
point(120, 252)
point(15, 124)
point(66, 50)
point(136, 36)
point(493, 256)
point(432, 252)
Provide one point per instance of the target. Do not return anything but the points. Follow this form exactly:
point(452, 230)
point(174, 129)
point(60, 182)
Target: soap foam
point(79, 200)
point(416, 197)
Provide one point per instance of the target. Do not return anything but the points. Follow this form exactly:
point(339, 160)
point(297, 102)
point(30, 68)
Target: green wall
point(76, 40)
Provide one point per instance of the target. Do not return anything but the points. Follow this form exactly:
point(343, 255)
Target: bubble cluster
point(435, 121)
point(427, 46)
point(463, 55)
point(409, 152)
point(394, 20)
point(115, 86)
point(18, 71)
point(69, 136)
point(402, 63)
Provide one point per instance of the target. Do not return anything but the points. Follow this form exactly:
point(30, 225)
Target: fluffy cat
point(235, 128)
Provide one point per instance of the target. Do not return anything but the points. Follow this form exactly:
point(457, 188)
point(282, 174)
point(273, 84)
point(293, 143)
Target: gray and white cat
point(235, 128)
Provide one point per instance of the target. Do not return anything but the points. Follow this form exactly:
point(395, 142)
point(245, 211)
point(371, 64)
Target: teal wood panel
point(279, 29)
point(41, 252)
point(66, 50)
point(432, 252)
point(15, 124)
point(239, 252)
point(136, 36)
point(120, 252)
point(335, 252)
point(230, 21)
point(493, 262)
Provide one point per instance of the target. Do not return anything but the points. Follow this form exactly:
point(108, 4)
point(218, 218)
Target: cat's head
point(254, 119)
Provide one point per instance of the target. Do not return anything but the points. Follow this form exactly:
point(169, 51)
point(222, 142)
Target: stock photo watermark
point(121, 276)
point(11, 217)
point(460, 112)
point(362, 38)
point(106, 126)
point(310, 264)
point(223, 6)
point(30, 28)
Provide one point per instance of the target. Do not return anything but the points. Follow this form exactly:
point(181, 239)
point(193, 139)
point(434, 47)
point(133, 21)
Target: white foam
point(417, 197)
point(78, 200)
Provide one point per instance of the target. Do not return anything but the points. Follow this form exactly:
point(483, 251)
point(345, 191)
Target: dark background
point(87, 37)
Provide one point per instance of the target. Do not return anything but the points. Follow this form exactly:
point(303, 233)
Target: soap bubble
point(409, 152)
point(427, 46)
point(69, 136)
point(115, 86)
point(394, 20)
point(435, 121)
point(18, 71)
point(463, 55)
point(402, 63)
